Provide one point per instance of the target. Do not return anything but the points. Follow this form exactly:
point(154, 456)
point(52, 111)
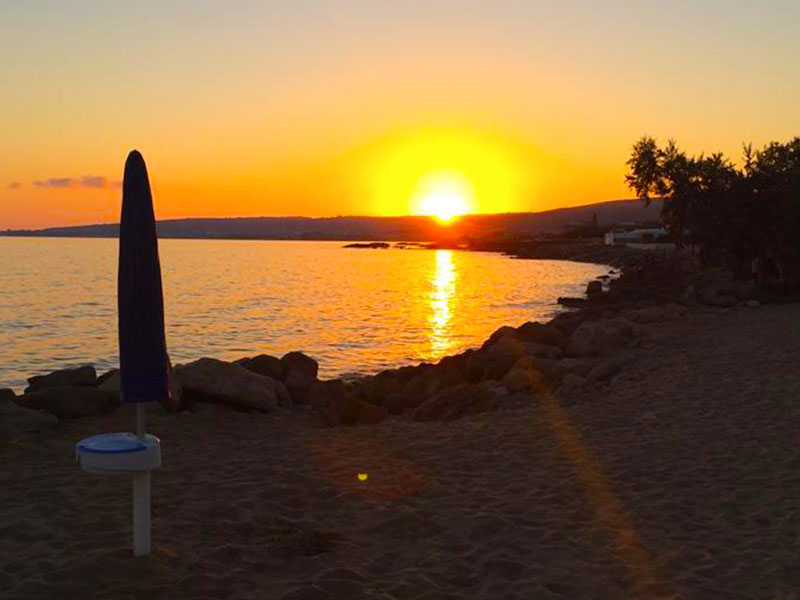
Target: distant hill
point(407, 228)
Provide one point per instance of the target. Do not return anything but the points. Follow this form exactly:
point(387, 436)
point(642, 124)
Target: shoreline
point(674, 477)
point(494, 375)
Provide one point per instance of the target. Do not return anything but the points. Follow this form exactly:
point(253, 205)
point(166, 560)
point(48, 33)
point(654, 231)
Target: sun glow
point(444, 174)
point(443, 194)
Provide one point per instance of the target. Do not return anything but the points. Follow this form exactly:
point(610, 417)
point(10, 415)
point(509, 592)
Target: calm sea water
point(354, 310)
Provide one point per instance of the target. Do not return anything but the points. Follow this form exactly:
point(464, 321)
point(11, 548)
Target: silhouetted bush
point(747, 219)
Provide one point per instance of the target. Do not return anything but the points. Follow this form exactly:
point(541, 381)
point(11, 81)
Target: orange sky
point(352, 107)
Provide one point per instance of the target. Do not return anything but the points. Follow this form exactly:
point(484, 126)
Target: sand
point(682, 479)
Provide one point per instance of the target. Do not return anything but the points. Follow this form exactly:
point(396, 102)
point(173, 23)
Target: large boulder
point(456, 401)
point(80, 376)
point(297, 361)
point(594, 337)
point(212, 380)
point(16, 420)
point(68, 402)
point(267, 365)
point(543, 333)
point(300, 386)
point(501, 356)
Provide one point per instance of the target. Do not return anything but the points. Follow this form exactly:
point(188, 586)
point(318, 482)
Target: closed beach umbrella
point(144, 370)
point(142, 346)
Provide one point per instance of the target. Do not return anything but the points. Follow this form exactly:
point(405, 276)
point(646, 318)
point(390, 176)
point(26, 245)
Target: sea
point(356, 311)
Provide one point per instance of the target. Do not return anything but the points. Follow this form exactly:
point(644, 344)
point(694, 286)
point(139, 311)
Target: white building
point(633, 236)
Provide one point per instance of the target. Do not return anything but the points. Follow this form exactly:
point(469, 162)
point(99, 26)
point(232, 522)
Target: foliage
point(735, 216)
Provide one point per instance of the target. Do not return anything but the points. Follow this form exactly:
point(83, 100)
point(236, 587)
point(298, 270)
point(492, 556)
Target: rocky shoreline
point(579, 350)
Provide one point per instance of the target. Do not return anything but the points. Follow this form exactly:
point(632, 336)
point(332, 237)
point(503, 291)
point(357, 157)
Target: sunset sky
point(374, 108)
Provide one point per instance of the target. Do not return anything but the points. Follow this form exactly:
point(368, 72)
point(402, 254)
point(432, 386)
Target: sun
point(444, 194)
point(444, 205)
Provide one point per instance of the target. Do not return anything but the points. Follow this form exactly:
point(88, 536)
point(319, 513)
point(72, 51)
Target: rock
point(7, 394)
point(101, 379)
point(752, 303)
point(574, 366)
point(594, 337)
point(400, 402)
point(571, 302)
point(300, 386)
point(606, 369)
point(212, 380)
point(523, 381)
point(377, 388)
point(542, 350)
point(423, 385)
point(594, 289)
point(504, 331)
point(68, 402)
point(109, 381)
point(15, 419)
point(501, 356)
point(297, 361)
point(545, 334)
point(80, 376)
point(456, 401)
point(264, 364)
point(346, 410)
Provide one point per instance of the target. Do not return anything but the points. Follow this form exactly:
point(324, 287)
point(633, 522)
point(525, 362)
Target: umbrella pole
point(141, 496)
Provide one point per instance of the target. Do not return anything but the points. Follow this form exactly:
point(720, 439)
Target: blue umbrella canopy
point(142, 345)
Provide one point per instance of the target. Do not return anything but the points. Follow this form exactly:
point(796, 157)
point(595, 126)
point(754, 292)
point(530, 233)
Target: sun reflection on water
point(442, 303)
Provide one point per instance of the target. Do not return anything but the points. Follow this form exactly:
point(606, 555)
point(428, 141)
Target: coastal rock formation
point(212, 380)
point(264, 364)
point(457, 401)
point(594, 289)
point(594, 337)
point(297, 361)
point(80, 376)
point(15, 419)
point(67, 402)
point(346, 410)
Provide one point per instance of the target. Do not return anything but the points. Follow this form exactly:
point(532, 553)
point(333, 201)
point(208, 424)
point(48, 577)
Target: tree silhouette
point(737, 217)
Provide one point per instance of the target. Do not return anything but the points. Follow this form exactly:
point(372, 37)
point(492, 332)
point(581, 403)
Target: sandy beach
point(681, 478)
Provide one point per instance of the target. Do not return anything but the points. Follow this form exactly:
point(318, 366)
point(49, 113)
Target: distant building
point(633, 236)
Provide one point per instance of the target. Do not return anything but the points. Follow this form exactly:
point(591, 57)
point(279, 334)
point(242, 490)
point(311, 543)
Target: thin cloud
point(93, 182)
point(55, 182)
point(14, 185)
